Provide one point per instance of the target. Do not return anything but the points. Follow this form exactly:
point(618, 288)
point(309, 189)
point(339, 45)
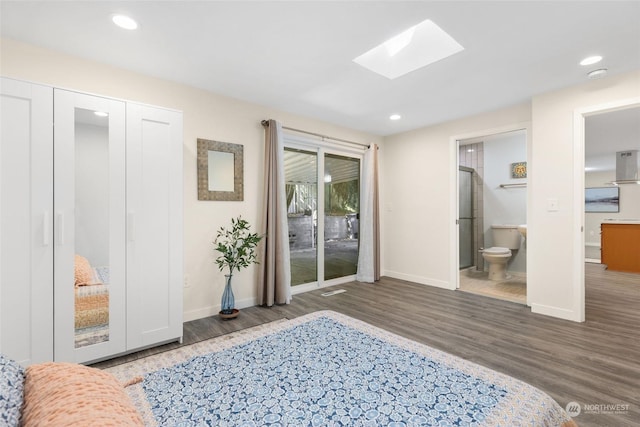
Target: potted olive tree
point(237, 248)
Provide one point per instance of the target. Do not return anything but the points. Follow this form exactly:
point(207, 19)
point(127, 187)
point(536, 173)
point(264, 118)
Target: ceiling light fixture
point(591, 60)
point(414, 48)
point(596, 74)
point(125, 22)
point(395, 117)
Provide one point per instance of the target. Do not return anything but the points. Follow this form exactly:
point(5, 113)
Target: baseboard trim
point(560, 313)
point(420, 280)
point(213, 310)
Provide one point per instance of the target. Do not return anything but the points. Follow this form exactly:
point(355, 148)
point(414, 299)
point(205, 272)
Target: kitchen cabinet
point(620, 243)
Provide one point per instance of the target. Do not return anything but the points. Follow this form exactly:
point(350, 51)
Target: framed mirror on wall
point(220, 171)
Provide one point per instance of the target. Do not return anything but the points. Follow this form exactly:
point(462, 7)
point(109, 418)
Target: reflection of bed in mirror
point(91, 303)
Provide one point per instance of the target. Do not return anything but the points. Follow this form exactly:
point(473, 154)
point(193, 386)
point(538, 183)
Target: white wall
point(417, 176)
point(505, 205)
point(629, 209)
point(556, 172)
point(206, 115)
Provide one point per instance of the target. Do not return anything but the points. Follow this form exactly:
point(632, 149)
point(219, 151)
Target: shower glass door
point(465, 220)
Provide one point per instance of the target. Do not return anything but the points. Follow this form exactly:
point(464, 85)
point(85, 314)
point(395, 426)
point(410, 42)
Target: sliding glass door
point(341, 215)
point(323, 219)
point(301, 182)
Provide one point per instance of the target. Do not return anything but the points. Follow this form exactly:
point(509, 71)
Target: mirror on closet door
point(91, 225)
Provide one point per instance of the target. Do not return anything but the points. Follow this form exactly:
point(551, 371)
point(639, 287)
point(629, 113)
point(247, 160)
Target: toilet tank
point(506, 236)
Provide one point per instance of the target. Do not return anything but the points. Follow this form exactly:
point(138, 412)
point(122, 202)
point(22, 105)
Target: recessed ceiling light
point(416, 47)
point(395, 117)
point(591, 60)
point(596, 74)
point(125, 22)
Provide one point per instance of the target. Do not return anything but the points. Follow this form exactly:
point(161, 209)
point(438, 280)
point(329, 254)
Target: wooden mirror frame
point(206, 145)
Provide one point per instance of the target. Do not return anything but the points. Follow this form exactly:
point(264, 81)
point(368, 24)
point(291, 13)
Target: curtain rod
point(266, 123)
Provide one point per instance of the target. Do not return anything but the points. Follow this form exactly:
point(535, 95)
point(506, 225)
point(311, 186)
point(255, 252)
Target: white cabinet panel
point(154, 206)
point(26, 202)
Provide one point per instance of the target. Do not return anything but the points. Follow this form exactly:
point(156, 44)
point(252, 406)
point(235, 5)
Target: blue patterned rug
point(326, 369)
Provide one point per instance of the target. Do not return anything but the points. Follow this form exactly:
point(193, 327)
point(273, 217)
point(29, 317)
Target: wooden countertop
point(621, 221)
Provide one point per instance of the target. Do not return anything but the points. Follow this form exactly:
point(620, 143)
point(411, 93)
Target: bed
point(326, 368)
point(91, 288)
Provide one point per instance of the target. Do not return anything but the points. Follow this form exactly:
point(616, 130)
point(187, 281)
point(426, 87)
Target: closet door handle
point(131, 216)
point(60, 228)
point(45, 228)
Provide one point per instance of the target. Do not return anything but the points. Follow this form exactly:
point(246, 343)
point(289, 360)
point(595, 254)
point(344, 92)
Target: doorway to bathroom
point(492, 201)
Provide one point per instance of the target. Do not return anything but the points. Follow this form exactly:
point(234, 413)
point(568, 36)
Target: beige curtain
point(274, 281)
point(369, 254)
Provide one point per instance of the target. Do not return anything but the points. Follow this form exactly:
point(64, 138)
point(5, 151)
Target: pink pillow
point(67, 394)
point(83, 272)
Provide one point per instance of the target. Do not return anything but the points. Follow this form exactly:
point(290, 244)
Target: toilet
point(505, 239)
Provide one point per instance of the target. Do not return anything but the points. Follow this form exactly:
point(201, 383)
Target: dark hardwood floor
point(592, 363)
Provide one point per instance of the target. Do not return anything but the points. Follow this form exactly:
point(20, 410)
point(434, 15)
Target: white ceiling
point(297, 56)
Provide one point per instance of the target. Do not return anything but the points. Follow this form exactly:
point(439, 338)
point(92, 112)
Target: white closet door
point(154, 212)
point(90, 227)
point(26, 201)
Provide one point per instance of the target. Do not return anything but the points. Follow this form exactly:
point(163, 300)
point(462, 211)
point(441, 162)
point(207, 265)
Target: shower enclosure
point(465, 219)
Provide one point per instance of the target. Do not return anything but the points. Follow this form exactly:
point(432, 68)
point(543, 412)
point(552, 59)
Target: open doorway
point(612, 214)
point(588, 124)
point(492, 210)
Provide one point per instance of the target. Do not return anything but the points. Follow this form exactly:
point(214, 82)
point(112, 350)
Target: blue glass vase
point(228, 300)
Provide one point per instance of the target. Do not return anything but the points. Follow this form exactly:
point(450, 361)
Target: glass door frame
point(320, 148)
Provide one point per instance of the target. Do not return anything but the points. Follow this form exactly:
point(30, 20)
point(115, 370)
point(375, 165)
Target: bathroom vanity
point(620, 243)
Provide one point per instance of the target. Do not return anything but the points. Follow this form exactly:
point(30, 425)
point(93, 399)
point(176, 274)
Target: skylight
point(414, 48)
